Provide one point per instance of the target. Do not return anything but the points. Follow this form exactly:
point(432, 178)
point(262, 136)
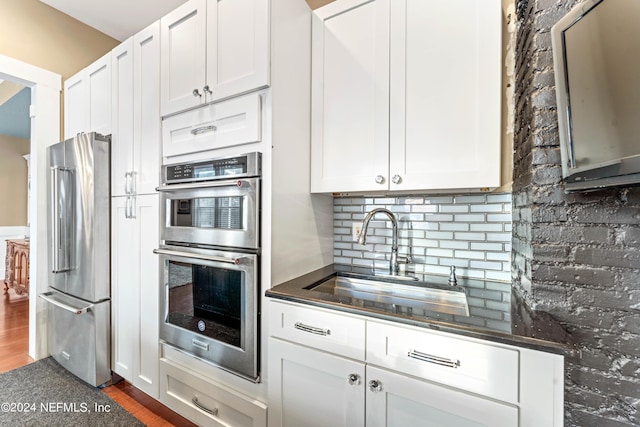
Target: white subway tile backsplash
point(487, 227)
point(470, 199)
point(424, 208)
point(483, 246)
point(454, 226)
point(487, 208)
point(471, 236)
point(470, 232)
point(470, 218)
point(455, 208)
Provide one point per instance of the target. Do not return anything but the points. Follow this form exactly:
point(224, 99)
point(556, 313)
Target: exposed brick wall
point(575, 255)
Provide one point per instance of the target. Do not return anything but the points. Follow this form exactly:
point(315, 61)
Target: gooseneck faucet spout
point(394, 266)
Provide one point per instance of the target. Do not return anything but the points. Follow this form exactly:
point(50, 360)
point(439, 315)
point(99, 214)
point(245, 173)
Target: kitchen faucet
point(394, 266)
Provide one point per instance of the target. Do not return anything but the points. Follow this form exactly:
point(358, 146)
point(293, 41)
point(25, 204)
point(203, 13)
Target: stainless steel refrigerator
point(78, 309)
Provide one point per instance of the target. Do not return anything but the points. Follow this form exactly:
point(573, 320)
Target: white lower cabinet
point(313, 388)
point(396, 400)
point(409, 375)
point(135, 290)
point(205, 402)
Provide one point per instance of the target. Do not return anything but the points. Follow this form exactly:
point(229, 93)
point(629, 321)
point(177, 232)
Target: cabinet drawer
point(225, 124)
point(207, 403)
point(325, 330)
point(480, 368)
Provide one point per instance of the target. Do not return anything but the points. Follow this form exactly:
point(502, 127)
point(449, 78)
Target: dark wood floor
point(14, 347)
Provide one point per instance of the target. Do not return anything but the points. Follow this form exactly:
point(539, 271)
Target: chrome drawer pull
point(200, 406)
point(312, 329)
point(203, 129)
point(433, 359)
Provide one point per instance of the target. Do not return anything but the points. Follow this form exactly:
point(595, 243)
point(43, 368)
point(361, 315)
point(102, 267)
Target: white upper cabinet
point(75, 110)
point(350, 96)
point(147, 145)
point(135, 148)
point(406, 95)
point(122, 118)
point(213, 50)
point(87, 99)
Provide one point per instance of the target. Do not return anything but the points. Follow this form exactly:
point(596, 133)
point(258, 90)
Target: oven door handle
point(226, 260)
point(196, 185)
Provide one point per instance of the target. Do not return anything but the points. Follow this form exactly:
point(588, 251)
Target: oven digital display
point(208, 169)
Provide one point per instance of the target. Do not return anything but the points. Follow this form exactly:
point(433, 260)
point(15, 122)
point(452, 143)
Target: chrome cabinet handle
point(196, 93)
point(397, 179)
point(132, 208)
point(207, 89)
point(132, 185)
point(430, 358)
point(127, 207)
point(203, 129)
point(354, 379)
point(379, 179)
point(312, 329)
point(200, 406)
point(127, 183)
point(375, 386)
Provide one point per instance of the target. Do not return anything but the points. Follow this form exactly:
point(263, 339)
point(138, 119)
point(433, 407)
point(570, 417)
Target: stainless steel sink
point(438, 298)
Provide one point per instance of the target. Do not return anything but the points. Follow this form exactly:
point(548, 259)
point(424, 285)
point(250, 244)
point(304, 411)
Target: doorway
point(45, 130)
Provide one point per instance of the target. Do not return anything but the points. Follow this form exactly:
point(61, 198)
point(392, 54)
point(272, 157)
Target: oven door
point(210, 306)
point(215, 213)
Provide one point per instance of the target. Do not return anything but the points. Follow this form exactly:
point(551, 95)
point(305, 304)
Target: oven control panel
point(246, 165)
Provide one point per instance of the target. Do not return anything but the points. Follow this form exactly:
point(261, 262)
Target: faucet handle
point(404, 260)
point(452, 276)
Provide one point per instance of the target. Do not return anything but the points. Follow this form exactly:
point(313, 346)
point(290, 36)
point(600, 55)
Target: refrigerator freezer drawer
point(78, 336)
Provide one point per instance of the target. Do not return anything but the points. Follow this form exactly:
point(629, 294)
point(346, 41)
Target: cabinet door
point(312, 388)
point(147, 296)
point(98, 76)
point(395, 400)
point(445, 94)
point(146, 114)
point(122, 118)
point(125, 272)
point(75, 105)
point(237, 46)
point(350, 96)
point(135, 290)
point(183, 56)
point(223, 124)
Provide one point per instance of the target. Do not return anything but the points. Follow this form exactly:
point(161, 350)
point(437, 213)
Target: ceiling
point(116, 18)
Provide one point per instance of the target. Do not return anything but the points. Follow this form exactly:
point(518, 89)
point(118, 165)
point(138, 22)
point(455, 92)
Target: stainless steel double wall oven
point(210, 252)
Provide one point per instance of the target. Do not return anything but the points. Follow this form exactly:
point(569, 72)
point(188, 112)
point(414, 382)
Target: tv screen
point(596, 51)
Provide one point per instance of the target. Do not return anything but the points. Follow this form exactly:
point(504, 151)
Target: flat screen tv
point(596, 58)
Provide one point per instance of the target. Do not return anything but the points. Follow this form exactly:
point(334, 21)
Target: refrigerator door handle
point(61, 219)
point(49, 297)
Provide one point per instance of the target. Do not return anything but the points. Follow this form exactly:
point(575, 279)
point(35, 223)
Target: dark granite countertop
point(496, 311)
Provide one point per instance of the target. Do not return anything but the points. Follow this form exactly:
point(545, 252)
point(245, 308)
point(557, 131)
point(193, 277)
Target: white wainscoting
point(8, 233)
